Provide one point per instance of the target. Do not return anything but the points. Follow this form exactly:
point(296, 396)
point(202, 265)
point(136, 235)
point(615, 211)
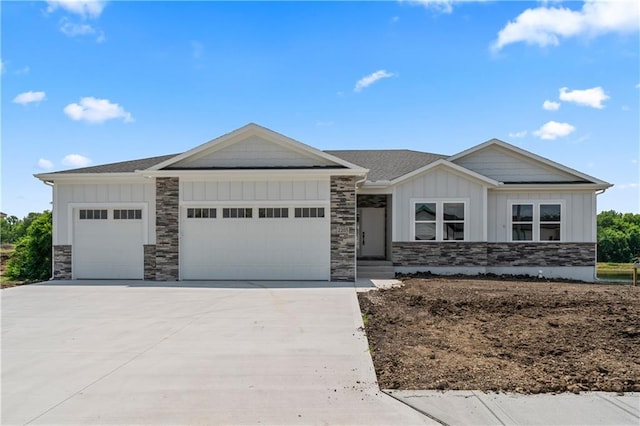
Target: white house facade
point(256, 205)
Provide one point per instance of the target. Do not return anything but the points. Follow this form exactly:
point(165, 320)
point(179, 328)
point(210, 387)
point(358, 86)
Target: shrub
point(31, 259)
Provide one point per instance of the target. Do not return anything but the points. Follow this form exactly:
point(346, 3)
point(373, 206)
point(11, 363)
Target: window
point(303, 212)
point(201, 213)
point(439, 220)
point(541, 221)
point(127, 214)
point(89, 214)
point(273, 212)
point(237, 213)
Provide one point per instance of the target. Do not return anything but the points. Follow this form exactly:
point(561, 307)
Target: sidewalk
point(479, 408)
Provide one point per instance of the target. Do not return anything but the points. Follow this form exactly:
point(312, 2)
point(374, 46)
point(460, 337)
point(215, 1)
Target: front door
point(372, 233)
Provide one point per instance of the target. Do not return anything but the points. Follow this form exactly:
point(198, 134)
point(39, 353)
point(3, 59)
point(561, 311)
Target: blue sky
point(90, 82)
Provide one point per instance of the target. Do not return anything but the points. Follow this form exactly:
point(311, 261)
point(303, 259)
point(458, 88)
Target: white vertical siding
point(254, 152)
point(246, 191)
point(507, 166)
point(106, 194)
point(438, 184)
point(578, 221)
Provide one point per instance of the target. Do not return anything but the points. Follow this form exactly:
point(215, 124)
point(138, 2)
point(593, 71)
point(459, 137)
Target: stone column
point(167, 228)
point(62, 262)
point(343, 228)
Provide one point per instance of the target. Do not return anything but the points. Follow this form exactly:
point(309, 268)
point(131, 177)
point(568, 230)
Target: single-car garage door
point(108, 244)
point(255, 243)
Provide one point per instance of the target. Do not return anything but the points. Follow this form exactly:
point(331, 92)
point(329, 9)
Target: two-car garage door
point(255, 243)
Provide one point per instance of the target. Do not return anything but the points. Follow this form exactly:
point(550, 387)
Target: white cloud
point(96, 110)
point(551, 105)
point(588, 97)
point(29, 97)
point(84, 8)
point(395, 19)
point(2, 67)
point(443, 6)
point(628, 186)
point(553, 130)
point(520, 134)
point(76, 160)
point(23, 70)
point(545, 26)
point(72, 29)
point(638, 86)
point(43, 163)
point(371, 78)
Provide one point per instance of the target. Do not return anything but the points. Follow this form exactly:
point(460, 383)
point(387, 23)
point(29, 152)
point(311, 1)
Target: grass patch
point(615, 271)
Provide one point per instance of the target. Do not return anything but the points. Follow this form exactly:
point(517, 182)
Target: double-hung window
point(536, 221)
point(439, 220)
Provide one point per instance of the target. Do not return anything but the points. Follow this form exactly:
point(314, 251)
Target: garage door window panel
point(127, 214)
point(309, 212)
point(201, 213)
point(237, 213)
point(93, 214)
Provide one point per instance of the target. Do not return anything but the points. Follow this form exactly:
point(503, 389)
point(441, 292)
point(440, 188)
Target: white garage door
point(108, 244)
point(257, 243)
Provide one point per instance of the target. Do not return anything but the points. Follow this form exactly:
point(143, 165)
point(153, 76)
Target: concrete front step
point(380, 269)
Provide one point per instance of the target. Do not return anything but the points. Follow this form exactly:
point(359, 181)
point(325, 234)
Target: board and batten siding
point(578, 221)
point(101, 195)
point(254, 190)
point(253, 152)
point(506, 166)
point(439, 184)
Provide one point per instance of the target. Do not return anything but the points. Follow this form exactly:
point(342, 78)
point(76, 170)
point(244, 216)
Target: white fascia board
point(448, 165)
point(239, 174)
point(554, 187)
point(530, 155)
point(253, 129)
point(84, 177)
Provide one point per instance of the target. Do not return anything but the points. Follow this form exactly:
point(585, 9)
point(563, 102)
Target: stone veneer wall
point(473, 254)
point(167, 228)
point(150, 262)
point(343, 228)
point(62, 260)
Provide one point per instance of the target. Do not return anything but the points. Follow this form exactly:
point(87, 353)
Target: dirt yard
point(526, 337)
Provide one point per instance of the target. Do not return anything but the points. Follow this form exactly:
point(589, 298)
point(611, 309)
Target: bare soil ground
point(526, 337)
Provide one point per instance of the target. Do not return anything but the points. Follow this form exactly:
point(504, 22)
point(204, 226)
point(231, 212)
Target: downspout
point(595, 272)
point(51, 184)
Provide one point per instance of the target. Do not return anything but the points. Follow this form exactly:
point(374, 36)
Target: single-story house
point(256, 205)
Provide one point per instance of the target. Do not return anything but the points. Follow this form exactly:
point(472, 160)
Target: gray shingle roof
point(382, 164)
point(387, 164)
point(121, 167)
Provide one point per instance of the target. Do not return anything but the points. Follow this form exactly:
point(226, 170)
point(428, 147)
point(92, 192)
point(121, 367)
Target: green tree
point(31, 259)
point(8, 227)
point(618, 236)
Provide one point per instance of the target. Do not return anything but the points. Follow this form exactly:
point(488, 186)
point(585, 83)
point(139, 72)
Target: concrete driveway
point(189, 353)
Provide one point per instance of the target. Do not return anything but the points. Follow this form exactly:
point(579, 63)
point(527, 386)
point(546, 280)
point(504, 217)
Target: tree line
point(618, 241)
point(618, 236)
point(31, 237)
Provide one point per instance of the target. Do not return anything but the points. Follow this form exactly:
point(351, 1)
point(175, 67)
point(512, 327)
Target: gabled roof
point(442, 163)
point(388, 164)
point(242, 133)
point(580, 177)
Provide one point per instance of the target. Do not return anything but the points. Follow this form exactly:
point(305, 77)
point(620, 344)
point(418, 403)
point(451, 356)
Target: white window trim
point(536, 220)
point(439, 218)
